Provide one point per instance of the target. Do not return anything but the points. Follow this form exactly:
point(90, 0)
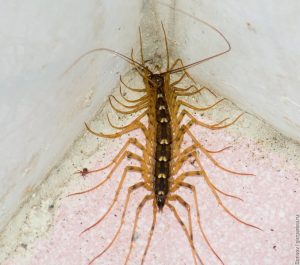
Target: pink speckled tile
point(270, 202)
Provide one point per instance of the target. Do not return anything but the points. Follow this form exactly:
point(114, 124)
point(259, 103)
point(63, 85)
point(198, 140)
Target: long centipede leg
point(114, 135)
point(179, 80)
point(188, 209)
point(128, 129)
point(187, 94)
point(181, 102)
point(141, 101)
point(126, 170)
point(177, 89)
point(130, 190)
point(193, 189)
point(218, 151)
point(137, 214)
point(181, 177)
point(128, 125)
point(198, 145)
point(178, 163)
point(185, 73)
point(219, 200)
point(186, 154)
point(197, 173)
point(150, 233)
point(213, 160)
point(183, 130)
point(193, 121)
point(125, 154)
point(211, 127)
point(132, 141)
point(132, 100)
point(183, 226)
point(132, 89)
point(142, 106)
point(193, 146)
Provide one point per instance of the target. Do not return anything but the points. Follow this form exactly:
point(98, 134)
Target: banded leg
point(188, 209)
point(130, 190)
point(183, 226)
point(175, 182)
point(137, 214)
point(193, 189)
point(197, 173)
point(178, 182)
point(150, 232)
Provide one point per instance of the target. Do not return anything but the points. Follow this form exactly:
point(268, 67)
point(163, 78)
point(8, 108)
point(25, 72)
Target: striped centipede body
point(163, 154)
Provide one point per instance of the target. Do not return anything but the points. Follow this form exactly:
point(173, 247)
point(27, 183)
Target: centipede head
point(157, 80)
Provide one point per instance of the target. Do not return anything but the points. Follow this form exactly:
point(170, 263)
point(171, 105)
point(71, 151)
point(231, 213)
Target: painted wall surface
point(261, 73)
point(42, 111)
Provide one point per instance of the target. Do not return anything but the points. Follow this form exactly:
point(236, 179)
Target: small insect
point(163, 154)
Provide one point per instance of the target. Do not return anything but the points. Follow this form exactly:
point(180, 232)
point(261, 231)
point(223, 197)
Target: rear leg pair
point(178, 182)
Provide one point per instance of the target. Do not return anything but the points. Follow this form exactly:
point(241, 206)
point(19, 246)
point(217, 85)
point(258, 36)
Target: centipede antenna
point(141, 47)
point(167, 48)
point(205, 59)
point(124, 57)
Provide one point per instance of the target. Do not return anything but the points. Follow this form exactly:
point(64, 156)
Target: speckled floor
point(47, 229)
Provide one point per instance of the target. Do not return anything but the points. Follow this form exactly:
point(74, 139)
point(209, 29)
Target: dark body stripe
point(163, 143)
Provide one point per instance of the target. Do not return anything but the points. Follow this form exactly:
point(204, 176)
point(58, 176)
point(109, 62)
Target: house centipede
point(162, 157)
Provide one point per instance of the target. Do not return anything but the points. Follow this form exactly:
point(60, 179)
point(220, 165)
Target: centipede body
point(163, 154)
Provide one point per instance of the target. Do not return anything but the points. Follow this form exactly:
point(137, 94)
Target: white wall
point(42, 112)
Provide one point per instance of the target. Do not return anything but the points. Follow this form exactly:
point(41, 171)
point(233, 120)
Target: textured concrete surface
point(47, 229)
